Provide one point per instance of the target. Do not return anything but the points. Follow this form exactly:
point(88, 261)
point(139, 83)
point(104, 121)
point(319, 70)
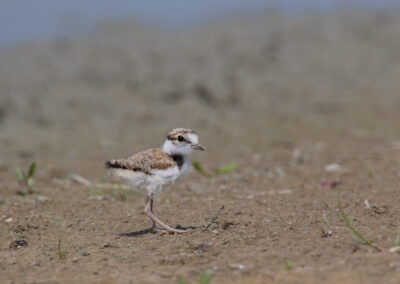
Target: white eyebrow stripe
point(191, 137)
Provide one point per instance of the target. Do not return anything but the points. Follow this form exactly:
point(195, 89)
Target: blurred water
point(25, 20)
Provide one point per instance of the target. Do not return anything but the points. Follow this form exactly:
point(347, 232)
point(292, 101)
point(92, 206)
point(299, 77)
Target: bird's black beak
point(198, 147)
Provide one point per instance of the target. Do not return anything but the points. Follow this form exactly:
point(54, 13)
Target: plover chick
point(152, 170)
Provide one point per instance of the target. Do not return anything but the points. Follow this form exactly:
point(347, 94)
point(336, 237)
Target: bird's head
point(182, 141)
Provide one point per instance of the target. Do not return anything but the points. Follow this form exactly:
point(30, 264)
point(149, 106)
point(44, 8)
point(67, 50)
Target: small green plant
point(225, 169)
point(204, 278)
point(397, 240)
point(220, 171)
point(120, 194)
point(357, 234)
point(27, 178)
point(199, 168)
point(60, 250)
point(288, 264)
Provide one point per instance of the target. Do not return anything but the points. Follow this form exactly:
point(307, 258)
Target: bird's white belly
point(135, 180)
point(161, 178)
point(152, 183)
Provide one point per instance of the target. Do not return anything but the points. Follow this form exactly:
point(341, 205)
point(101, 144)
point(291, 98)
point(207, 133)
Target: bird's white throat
point(172, 149)
point(184, 151)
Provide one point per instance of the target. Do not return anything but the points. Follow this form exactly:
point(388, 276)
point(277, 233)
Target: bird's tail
point(108, 164)
point(115, 164)
point(111, 164)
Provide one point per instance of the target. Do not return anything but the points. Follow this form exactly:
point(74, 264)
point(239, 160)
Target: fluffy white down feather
point(153, 183)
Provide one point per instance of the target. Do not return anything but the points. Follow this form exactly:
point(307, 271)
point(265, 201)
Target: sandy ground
point(283, 99)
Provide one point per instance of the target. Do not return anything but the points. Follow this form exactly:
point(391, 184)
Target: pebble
point(237, 266)
point(395, 249)
point(333, 168)
point(42, 198)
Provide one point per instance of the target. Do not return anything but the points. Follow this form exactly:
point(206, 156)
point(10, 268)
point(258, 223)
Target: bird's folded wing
point(145, 161)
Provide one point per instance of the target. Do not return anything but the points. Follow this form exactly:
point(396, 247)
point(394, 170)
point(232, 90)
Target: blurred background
point(84, 81)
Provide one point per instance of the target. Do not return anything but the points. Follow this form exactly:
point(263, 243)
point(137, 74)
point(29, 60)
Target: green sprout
point(27, 178)
point(199, 168)
point(60, 251)
point(225, 169)
point(288, 264)
point(397, 241)
point(361, 238)
point(220, 171)
point(120, 194)
point(204, 278)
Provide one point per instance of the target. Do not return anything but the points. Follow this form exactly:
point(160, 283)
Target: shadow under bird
point(154, 169)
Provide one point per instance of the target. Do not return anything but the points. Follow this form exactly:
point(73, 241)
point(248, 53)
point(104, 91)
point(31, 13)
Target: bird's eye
point(180, 138)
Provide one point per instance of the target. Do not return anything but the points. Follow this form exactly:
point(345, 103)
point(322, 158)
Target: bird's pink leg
point(149, 211)
point(154, 228)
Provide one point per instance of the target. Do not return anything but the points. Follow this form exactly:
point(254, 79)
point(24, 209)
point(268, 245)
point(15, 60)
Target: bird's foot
point(165, 232)
point(158, 231)
point(177, 231)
